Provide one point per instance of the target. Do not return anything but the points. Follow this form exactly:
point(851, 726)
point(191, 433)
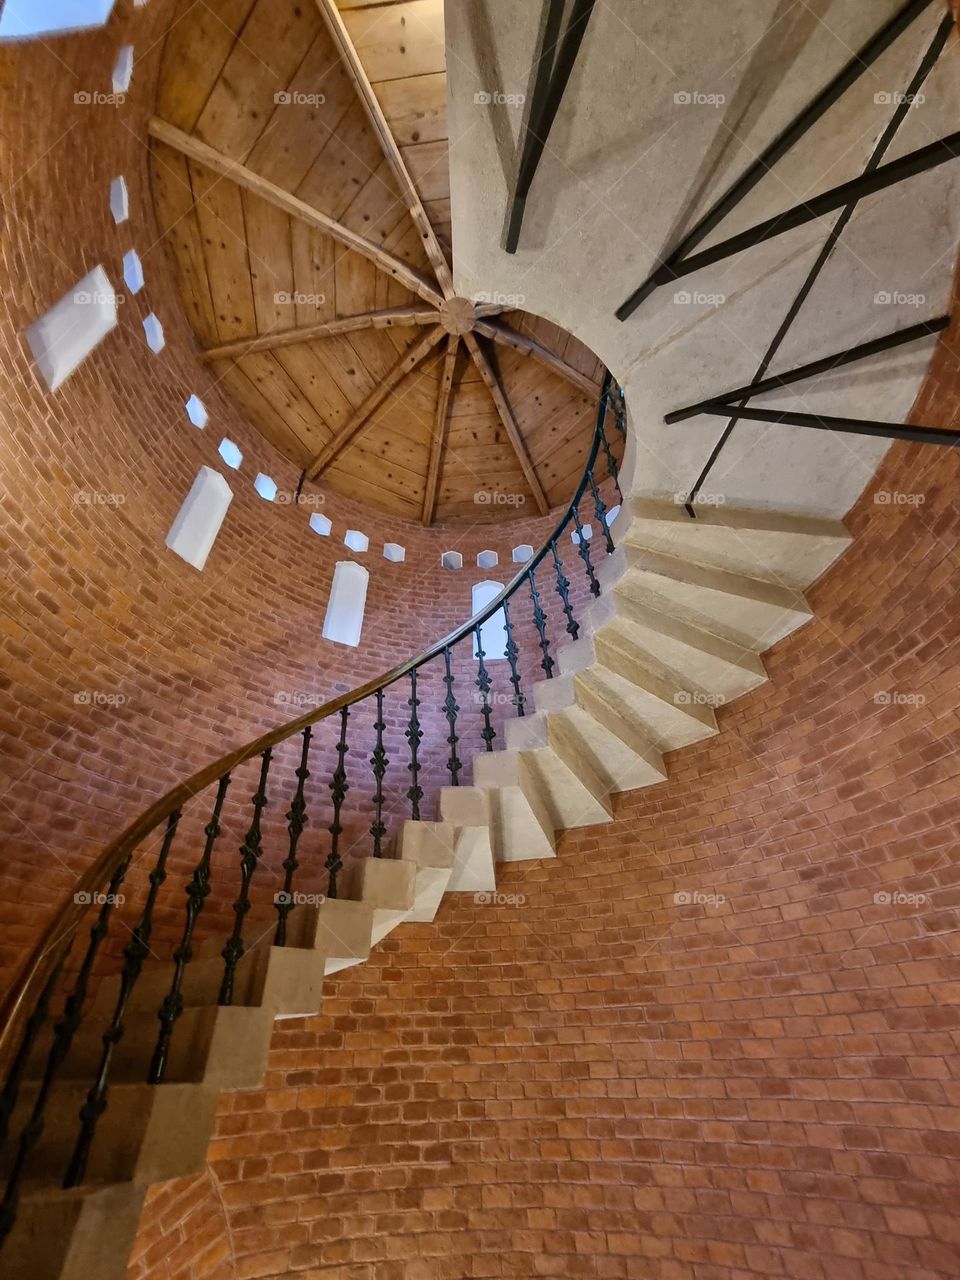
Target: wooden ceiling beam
point(343, 438)
point(488, 374)
point(527, 346)
point(199, 151)
point(438, 443)
point(390, 317)
point(411, 197)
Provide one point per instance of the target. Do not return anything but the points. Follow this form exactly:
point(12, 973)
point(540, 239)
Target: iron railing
point(56, 985)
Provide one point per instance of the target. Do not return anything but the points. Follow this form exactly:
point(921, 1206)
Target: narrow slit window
point(132, 271)
point(62, 338)
point(356, 540)
point(123, 69)
point(266, 487)
point(451, 560)
point(153, 331)
point(196, 411)
point(393, 552)
point(522, 554)
point(493, 632)
point(321, 524)
point(119, 200)
point(343, 622)
point(198, 521)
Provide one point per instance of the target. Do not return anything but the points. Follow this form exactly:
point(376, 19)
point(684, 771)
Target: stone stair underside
point(687, 609)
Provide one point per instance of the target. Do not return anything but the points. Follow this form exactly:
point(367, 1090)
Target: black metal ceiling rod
point(555, 61)
point(778, 148)
point(825, 365)
point(846, 426)
point(884, 142)
point(867, 184)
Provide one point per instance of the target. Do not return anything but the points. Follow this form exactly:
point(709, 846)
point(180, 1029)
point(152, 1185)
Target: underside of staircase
point(687, 610)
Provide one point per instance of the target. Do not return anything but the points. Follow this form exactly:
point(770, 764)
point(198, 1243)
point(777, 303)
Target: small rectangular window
point(72, 327)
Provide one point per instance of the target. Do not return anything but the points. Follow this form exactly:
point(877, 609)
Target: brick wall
point(94, 605)
point(714, 1039)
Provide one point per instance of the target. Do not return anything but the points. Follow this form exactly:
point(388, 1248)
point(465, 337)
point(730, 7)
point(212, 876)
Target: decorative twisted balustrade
point(50, 1001)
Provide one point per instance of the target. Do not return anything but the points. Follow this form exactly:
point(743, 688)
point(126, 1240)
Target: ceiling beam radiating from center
point(411, 197)
point(202, 153)
point(343, 438)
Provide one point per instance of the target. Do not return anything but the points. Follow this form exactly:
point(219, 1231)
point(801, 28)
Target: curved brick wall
point(93, 602)
point(716, 1039)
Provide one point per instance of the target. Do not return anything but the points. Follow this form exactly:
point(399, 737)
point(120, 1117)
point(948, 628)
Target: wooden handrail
point(26, 989)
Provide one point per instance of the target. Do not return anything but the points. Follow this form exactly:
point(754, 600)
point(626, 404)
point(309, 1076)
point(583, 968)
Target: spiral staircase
point(689, 592)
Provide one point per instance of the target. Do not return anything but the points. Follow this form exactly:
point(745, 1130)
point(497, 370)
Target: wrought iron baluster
point(611, 460)
point(487, 733)
point(540, 621)
point(563, 591)
point(450, 710)
point(35, 1024)
point(338, 789)
point(64, 1031)
point(197, 890)
point(134, 954)
point(414, 735)
point(512, 651)
point(583, 551)
point(249, 857)
point(296, 821)
point(379, 760)
point(601, 511)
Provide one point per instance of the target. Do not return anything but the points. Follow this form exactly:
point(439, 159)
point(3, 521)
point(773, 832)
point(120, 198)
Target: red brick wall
point(714, 1039)
point(93, 602)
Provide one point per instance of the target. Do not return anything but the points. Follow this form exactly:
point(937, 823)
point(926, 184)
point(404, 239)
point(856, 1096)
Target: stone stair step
point(520, 823)
point(148, 1133)
point(574, 793)
point(700, 661)
point(618, 751)
point(792, 550)
point(745, 610)
point(221, 1047)
point(61, 1235)
point(431, 848)
point(667, 711)
point(468, 810)
point(387, 887)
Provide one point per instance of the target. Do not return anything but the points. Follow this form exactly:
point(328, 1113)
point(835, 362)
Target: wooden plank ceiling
point(299, 167)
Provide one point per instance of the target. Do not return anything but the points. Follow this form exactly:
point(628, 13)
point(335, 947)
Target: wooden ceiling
point(299, 166)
